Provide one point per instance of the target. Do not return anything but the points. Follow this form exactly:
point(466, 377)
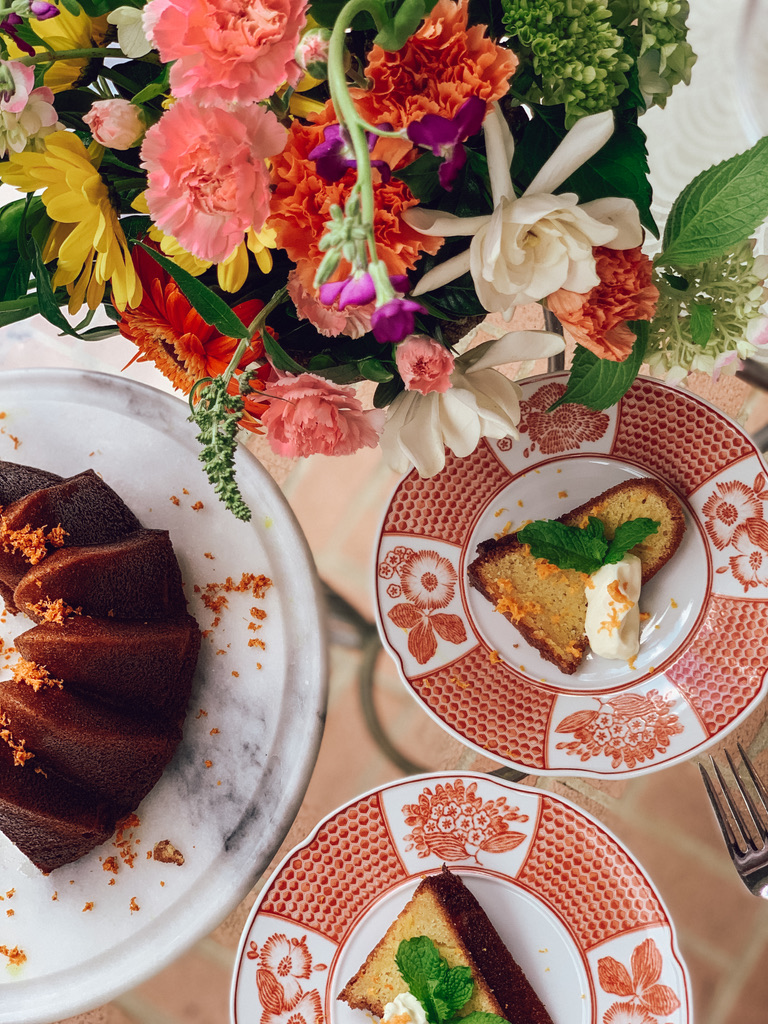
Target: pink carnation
point(424, 364)
point(311, 416)
point(207, 177)
point(227, 51)
point(353, 321)
point(115, 123)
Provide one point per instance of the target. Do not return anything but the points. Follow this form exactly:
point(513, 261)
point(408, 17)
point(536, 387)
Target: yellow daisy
point(66, 32)
point(86, 238)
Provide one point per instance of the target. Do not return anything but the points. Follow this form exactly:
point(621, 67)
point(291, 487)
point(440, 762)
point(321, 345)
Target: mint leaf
point(480, 1017)
point(567, 547)
point(627, 535)
point(719, 209)
point(423, 969)
point(702, 323)
point(600, 383)
point(454, 990)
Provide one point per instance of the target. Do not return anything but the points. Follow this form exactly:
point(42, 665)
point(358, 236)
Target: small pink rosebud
point(116, 124)
point(424, 364)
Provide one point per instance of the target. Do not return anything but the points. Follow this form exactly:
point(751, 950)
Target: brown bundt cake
point(95, 708)
point(548, 605)
point(443, 909)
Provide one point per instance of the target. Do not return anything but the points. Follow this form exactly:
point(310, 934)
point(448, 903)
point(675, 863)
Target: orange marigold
point(302, 201)
point(441, 66)
point(598, 319)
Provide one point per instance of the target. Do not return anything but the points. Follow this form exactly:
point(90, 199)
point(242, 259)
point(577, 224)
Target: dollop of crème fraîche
point(404, 1009)
point(613, 613)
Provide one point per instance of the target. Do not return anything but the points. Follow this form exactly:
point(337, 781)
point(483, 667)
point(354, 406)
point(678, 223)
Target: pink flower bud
point(116, 124)
point(424, 364)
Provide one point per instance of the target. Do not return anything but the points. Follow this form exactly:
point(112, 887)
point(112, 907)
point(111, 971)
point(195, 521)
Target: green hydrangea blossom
point(574, 51)
point(658, 30)
point(722, 296)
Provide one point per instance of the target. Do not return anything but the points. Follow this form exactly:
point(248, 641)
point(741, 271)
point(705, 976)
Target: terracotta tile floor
point(663, 818)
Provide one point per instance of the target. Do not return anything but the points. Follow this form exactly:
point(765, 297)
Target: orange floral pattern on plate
point(629, 728)
point(734, 519)
point(282, 965)
point(454, 823)
point(648, 998)
point(566, 428)
point(427, 581)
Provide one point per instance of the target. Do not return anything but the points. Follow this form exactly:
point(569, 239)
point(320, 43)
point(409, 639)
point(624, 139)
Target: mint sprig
point(441, 990)
point(584, 550)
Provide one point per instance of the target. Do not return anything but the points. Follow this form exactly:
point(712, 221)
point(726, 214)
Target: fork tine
point(722, 819)
point(736, 811)
point(747, 798)
point(759, 786)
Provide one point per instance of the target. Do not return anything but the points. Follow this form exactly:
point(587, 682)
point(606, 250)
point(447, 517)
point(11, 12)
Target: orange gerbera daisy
point(441, 66)
point(170, 333)
point(302, 201)
point(598, 319)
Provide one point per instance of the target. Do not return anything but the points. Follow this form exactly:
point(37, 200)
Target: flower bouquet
point(276, 201)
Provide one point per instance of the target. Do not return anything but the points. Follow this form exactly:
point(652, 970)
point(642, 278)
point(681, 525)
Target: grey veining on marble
point(251, 735)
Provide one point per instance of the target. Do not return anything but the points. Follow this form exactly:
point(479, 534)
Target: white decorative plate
point(703, 662)
point(229, 796)
point(573, 907)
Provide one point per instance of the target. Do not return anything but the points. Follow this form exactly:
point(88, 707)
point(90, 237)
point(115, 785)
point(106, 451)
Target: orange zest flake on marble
point(214, 732)
point(54, 611)
point(16, 957)
point(88, 906)
point(10, 913)
point(209, 764)
point(34, 675)
point(16, 440)
point(134, 905)
point(124, 839)
point(20, 754)
point(31, 544)
point(207, 554)
point(174, 500)
point(197, 506)
point(202, 713)
point(110, 864)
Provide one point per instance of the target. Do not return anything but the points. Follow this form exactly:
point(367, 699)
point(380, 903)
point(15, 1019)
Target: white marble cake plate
point(229, 796)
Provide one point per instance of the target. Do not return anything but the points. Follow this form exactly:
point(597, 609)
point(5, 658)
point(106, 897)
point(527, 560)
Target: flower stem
point(50, 57)
point(356, 127)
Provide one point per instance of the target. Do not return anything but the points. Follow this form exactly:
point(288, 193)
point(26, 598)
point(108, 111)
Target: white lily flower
point(130, 31)
point(481, 402)
point(529, 247)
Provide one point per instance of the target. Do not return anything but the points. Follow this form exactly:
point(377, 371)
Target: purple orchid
point(395, 320)
point(8, 26)
point(445, 135)
point(334, 156)
point(357, 290)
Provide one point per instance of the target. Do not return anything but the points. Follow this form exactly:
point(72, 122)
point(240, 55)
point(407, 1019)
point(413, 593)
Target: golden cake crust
point(548, 605)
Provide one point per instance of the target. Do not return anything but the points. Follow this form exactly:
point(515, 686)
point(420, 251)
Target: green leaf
point(680, 284)
point(720, 208)
point(627, 535)
point(480, 1017)
point(14, 310)
point(455, 989)
point(325, 13)
point(156, 88)
point(374, 369)
point(395, 33)
point(386, 393)
point(567, 547)
point(278, 356)
point(72, 6)
point(213, 309)
point(49, 307)
point(422, 968)
point(600, 383)
point(620, 168)
point(421, 177)
point(702, 323)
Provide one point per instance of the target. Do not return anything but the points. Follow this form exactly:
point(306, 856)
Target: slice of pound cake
point(547, 604)
point(444, 910)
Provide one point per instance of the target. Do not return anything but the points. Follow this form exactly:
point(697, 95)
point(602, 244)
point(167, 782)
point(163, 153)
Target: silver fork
point(747, 843)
